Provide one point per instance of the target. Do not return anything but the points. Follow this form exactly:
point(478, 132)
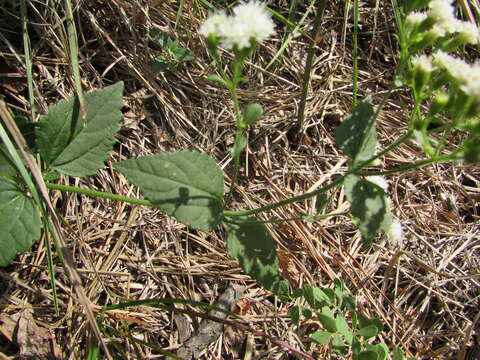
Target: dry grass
point(425, 290)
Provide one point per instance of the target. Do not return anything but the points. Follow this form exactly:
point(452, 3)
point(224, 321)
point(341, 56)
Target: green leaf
point(239, 146)
point(369, 204)
point(181, 54)
point(321, 337)
point(356, 135)
point(219, 80)
point(368, 355)
point(381, 349)
point(249, 242)
point(252, 114)
point(186, 185)
point(160, 37)
point(160, 64)
point(342, 325)
point(397, 354)
point(20, 221)
point(338, 345)
point(294, 313)
point(76, 146)
point(373, 321)
point(368, 331)
point(328, 322)
point(7, 167)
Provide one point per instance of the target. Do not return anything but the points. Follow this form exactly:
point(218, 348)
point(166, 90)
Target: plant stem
point(28, 59)
point(418, 164)
point(73, 45)
point(355, 51)
point(308, 68)
point(297, 218)
point(100, 194)
point(237, 70)
point(324, 189)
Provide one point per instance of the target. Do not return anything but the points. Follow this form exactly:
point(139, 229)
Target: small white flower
point(468, 31)
point(250, 22)
point(415, 18)
point(468, 76)
point(379, 181)
point(441, 10)
point(213, 23)
point(395, 232)
point(423, 63)
point(471, 86)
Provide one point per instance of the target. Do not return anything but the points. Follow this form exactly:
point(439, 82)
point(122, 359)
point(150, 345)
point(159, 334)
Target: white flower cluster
point(249, 23)
point(442, 12)
point(423, 63)
point(468, 75)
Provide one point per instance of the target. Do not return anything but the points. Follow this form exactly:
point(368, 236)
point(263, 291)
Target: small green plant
point(173, 55)
point(74, 139)
point(348, 332)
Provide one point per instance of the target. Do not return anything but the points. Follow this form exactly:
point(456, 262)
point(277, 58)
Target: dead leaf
point(34, 342)
point(288, 267)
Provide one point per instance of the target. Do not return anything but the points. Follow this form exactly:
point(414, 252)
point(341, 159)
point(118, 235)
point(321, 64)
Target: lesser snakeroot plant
point(190, 185)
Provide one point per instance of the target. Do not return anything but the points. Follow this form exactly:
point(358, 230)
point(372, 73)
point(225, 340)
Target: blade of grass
point(355, 51)
point(179, 13)
point(28, 59)
point(308, 68)
point(40, 194)
point(292, 33)
point(73, 46)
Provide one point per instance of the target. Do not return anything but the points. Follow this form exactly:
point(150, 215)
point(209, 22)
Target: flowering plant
point(190, 186)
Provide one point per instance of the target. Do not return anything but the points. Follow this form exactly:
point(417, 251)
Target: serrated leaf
point(186, 185)
point(20, 222)
point(321, 337)
point(368, 331)
point(356, 135)
point(328, 322)
point(76, 146)
point(368, 203)
point(249, 242)
point(252, 113)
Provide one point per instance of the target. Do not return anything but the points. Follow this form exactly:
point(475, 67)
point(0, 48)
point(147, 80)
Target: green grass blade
point(179, 13)
point(73, 46)
point(292, 33)
point(28, 59)
point(308, 67)
point(355, 51)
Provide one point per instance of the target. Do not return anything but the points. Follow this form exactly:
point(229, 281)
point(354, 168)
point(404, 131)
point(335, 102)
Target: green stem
point(237, 70)
point(418, 164)
point(28, 59)
point(308, 68)
point(73, 45)
point(355, 51)
point(324, 189)
point(100, 194)
point(297, 218)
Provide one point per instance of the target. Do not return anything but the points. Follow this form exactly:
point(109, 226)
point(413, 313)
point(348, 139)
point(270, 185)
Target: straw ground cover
point(425, 290)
